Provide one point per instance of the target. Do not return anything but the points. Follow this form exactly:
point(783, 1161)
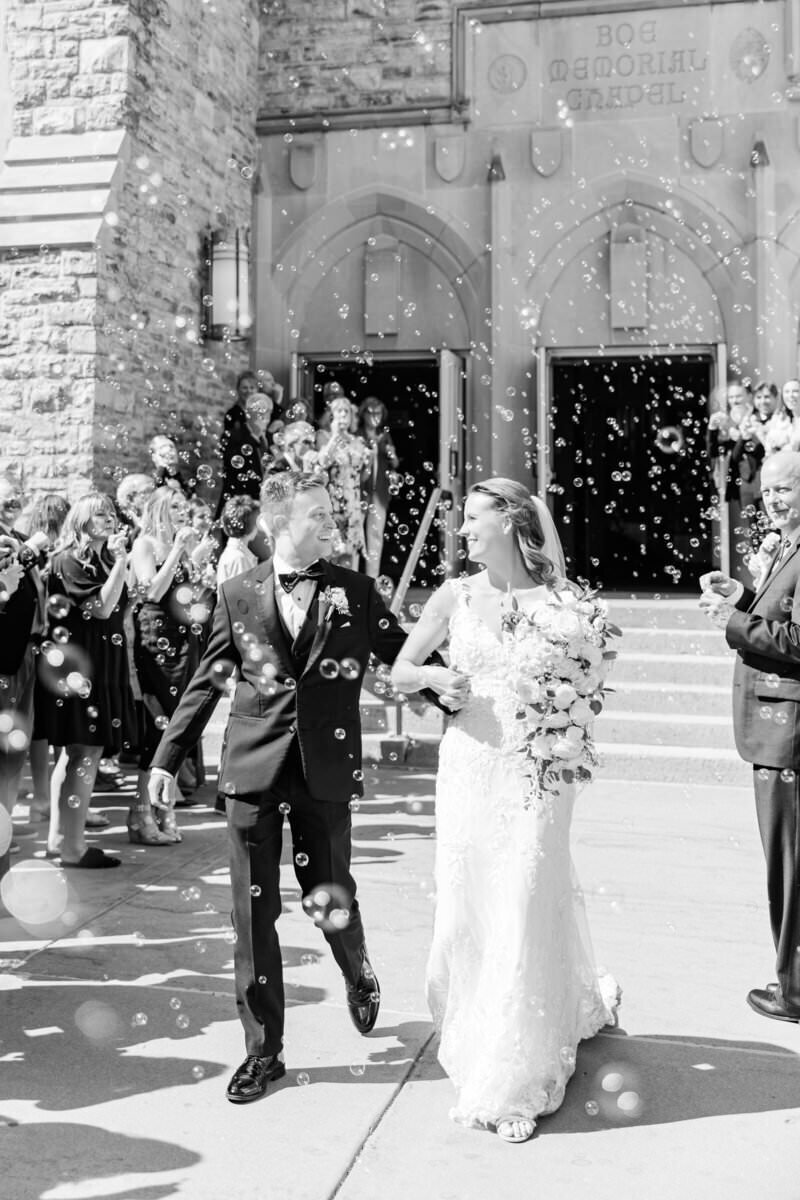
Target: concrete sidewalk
point(119, 1035)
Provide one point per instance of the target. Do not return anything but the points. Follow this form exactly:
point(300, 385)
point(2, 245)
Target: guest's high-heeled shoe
point(165, 820)
point(143, 831)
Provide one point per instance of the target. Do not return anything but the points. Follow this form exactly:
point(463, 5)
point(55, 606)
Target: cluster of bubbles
point(328, 905)
point(616, 1094)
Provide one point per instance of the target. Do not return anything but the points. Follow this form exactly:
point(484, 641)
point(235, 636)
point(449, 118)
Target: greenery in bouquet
point(563, 652)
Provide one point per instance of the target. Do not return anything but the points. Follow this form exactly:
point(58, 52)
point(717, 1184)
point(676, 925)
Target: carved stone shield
point(448, 156)
point(303, 164)
point(706, 137)
point(547, 148)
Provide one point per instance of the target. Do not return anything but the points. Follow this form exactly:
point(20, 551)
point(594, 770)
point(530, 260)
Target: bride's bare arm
point(408, 672)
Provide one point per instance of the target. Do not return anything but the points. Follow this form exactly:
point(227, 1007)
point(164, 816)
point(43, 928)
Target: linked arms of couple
point(410, 674)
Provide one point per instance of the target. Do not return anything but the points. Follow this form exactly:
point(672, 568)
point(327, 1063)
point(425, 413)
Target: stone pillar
point(99, 345)
point(775, 341)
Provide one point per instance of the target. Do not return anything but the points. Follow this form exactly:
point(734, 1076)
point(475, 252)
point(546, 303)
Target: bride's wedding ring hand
point(452, 687)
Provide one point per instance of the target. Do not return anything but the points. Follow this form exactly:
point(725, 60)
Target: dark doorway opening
point(410, 391)
point(631, 480)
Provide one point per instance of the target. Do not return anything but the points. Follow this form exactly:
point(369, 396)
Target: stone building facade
point(543, 232)
point(131, 135)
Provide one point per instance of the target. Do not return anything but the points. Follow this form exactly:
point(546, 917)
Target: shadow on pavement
point(655, 1080)
point(33, 1166)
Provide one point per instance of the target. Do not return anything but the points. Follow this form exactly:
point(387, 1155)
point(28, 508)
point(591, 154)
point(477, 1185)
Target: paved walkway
point(118, 1032)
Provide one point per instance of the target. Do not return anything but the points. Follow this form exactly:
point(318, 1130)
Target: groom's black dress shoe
point(249, 1081)
point(769, 1002)
point(364, 999)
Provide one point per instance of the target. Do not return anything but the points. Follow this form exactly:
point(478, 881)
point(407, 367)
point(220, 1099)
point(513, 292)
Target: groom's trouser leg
point(321, 832)
point(255, 836)
point(778, 812)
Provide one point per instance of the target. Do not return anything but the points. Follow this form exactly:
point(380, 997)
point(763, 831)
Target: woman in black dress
point(166, 650)
point(84, 669)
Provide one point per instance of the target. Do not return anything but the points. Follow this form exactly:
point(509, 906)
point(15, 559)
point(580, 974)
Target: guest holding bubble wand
point(84, 667)
point(166, 651)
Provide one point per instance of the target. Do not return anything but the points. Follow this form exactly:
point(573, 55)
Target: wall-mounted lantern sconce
point(226, 291)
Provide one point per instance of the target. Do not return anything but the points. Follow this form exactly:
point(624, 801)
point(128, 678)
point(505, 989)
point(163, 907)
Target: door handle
point(452, 469)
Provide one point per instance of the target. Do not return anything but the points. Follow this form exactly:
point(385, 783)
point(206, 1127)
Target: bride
point(511, 980)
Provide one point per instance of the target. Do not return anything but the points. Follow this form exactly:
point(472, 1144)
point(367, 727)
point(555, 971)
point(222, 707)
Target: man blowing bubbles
point(763, 626)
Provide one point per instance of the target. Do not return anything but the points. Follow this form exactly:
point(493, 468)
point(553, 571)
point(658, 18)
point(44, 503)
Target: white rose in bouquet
point(529, 691)
point(557, 720)
point(566, 624)
point(566, 748)
point(580, 711)
point(564, 695)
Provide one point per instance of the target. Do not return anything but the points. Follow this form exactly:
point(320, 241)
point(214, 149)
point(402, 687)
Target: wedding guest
point(245, 448)
point(375, 477)
point(239, 523)
point(132, 493)
point(723, 433)
point(164, 457)
point(344, 456)
point(783, 431)
point(748, 451)
point(22, 621)
point(47, 516)
point(762, 628)
point(88, 570)
point(166, 651)
point(296, 452)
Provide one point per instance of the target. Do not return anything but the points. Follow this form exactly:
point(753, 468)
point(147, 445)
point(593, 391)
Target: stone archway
point(327, 237)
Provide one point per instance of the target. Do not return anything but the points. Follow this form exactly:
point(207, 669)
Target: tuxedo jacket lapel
point(319, 608)
point(773, 573)
point(271, 619)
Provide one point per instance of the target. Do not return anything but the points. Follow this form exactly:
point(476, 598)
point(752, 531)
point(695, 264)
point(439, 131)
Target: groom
point(763, 626)
point(300, 631)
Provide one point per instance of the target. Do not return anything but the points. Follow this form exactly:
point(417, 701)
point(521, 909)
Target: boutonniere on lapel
point(335, 600)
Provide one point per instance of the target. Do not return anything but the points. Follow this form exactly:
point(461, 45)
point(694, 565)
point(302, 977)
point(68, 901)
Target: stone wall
point(329, 54)
point(99, 345)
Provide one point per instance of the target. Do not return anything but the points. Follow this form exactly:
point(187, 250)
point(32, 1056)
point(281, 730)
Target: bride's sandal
point(515, 1129)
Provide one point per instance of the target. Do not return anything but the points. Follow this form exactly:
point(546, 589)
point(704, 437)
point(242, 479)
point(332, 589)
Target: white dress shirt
point(236, 558)
point(293, 606)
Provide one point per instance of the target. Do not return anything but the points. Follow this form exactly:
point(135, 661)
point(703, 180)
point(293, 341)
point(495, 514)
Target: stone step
point(673, 764)
point(660, 614)
point(665, 729)
point(695, 699)
point(641, 667)
point(651, 639)
point(623, 760)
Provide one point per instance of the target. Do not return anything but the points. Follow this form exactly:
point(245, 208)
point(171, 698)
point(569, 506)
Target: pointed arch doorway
point(424, 396)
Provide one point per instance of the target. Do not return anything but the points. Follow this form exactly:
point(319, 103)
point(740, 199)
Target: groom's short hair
point(278, 491)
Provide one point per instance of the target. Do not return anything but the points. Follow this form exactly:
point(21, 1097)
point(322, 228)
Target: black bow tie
point(289, 582)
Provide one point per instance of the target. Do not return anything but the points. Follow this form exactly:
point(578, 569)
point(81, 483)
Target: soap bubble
point(198, 1072)
point(349, 668)
point(328, 905)
point(284, 808)
point(64, 670)
point(98, 1021)
point(303, 1078)
point(592, 1108)
point(35, 892)
point(339, 734)
point(301, 859)
point(567, 1056)
point(58, 607)
point(616, 1089)
point(182, 1021)
point(329, 668)
point(191, 895)
point(787, 775)
point(175, 1003)
point(223, 675)
point(357, 1069)
point(139, 1020)
point(255, 891)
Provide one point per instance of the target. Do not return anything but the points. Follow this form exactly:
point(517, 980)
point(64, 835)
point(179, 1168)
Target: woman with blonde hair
point(84, 668)
point(166, 650)
point(344, 456)
point(511, 979)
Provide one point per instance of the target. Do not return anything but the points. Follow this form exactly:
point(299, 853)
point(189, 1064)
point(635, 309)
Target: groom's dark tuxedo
point(293, 738)
point(765, 631)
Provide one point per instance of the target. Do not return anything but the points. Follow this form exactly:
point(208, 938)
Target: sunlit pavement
point(119, 1034)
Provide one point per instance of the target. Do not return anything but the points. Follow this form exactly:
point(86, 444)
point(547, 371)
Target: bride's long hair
point(520, 507)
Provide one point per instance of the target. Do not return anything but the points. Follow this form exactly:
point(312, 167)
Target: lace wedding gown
point(511, 980)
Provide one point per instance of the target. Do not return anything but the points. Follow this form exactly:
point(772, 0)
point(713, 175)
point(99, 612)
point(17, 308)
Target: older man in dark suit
point(763, 626)
point(300, 632)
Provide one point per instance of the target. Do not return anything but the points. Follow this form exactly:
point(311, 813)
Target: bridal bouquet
point(562, 653)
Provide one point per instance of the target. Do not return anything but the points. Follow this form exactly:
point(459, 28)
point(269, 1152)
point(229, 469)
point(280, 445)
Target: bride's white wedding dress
point(511, 979)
